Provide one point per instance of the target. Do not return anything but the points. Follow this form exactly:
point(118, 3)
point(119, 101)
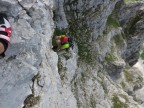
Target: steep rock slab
point(131, 19)
point(29, 75)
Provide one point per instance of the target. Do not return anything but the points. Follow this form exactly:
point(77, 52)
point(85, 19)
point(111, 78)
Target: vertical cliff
point(109, 37)
point(97, 73)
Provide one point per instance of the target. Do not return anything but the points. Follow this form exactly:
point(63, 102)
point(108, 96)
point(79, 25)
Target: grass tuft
point(117, 103)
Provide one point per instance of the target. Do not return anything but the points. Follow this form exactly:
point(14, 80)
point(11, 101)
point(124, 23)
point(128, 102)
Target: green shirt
point(65, 46)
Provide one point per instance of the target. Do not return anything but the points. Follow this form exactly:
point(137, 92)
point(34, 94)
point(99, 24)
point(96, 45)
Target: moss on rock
point(128, 76)
point(117, 103)
point(142, 55)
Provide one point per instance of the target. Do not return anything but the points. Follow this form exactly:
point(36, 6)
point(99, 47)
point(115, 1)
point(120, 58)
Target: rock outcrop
point(97, 73)
point(132, 23)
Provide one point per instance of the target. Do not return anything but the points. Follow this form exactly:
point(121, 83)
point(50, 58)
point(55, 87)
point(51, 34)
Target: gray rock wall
point(29, 74)
point(94, 74)
point(102, 47)
point(131, 19)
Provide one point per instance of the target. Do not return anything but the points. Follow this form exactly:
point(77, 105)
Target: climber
point(63, 42)
point(5, 34)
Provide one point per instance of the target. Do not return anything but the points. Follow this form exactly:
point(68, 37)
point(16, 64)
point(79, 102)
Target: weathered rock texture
point(95, 74)
point(131, 19)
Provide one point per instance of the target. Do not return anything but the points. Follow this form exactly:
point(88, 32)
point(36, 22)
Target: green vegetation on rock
point(142, 55)
point(104, 87)
point(128, 76)
point(131, 26)
point(111, 56)
point(112, 22)
point(118, 40)
point(124, 96)
point(117, 103)
point(131, 1)
point(92, 102)
point(79, 29)
point(60, 31)
point(123, 84)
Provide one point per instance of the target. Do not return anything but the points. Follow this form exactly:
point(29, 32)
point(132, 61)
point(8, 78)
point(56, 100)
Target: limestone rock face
point(132, 23)
point(96, 73)
point(29, 74)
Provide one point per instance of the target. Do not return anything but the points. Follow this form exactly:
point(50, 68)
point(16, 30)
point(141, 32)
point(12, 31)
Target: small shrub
point(31, 101)
point(112, 22)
